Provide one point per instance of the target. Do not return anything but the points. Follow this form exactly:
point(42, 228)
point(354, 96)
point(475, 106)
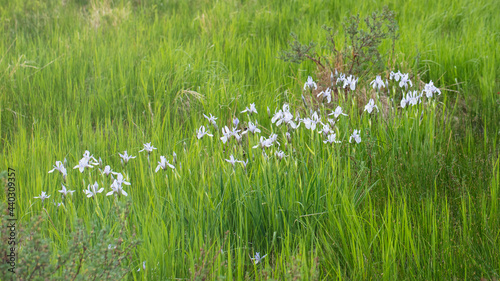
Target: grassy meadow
point(417, 199)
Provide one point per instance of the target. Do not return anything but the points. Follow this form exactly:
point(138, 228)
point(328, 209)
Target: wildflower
point(288, 119)
point(88, 157)
point(310, 84)
point(116, 188)
point(284, 116)
point(236, 121)
point(43, 196)
point(65, 192)
point(227, 134)
point(82, 164)
point(211, 119)
point(163, 163)
point(148, 147)
point(244, 163)
point(92, 190)
point(257, 258)
point(273, 138)
point(277, 116)
point(404, 101)
point(356, 136)
point(341, 77)
point(174, 160)
point(331, 121)
point(280, 154)
point(332, 138)
point(201, 132)
point(125, 157)
point(337, 112)
point(370, 106)
point(107, 171)
point(351, 82)
point(235, 131)
point(310, 123)
point(58, 204)
point(378, 83)
point(111, 247)
point(288, 136)
point(250, 109)
point(263, 143)
point(252, 128)
point(238, 137)
point(331, 77)
point(120, 179)
point(60, 167)
point(404, 81)
point(326, 129)
point(430, 89)
point(395, 75)
point(326, 94)
point(268, 112)
point(412, 98)
point(232, 160)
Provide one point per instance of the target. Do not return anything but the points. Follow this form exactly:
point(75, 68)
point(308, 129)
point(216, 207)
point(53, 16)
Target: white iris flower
point(378, 83)
point(232, 160)
point(117, 188)
point(250, 109)
point(310, 84)
point(337, 112)
point(43, 196)
point(125, 157)
point(355, 136)
point(430, 89)
point(211, 119)
point(65, 191)
point(148, 147)
point(163, 164)
point(326, 94)
point(60, 167)
point(332, 138)
point(257, 259)
point(93, 190)
point(370, 106)
point(82, 164)
point(202, 132)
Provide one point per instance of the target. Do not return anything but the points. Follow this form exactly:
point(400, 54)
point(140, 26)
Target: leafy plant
point(88, 256)
point(361, 50)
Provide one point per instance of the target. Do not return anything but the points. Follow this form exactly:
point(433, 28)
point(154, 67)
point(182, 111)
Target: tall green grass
point(417, 199)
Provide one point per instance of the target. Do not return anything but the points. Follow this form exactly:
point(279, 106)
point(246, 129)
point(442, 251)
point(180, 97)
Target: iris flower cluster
point(325, 125)
point(118, 180)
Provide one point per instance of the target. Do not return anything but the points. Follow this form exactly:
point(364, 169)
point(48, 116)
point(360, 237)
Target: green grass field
point(416, 199)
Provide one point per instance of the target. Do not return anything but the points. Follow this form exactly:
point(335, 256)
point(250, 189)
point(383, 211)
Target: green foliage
point(94, 255)
point(299, 53)
point(360, 54)
point(108, 76)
